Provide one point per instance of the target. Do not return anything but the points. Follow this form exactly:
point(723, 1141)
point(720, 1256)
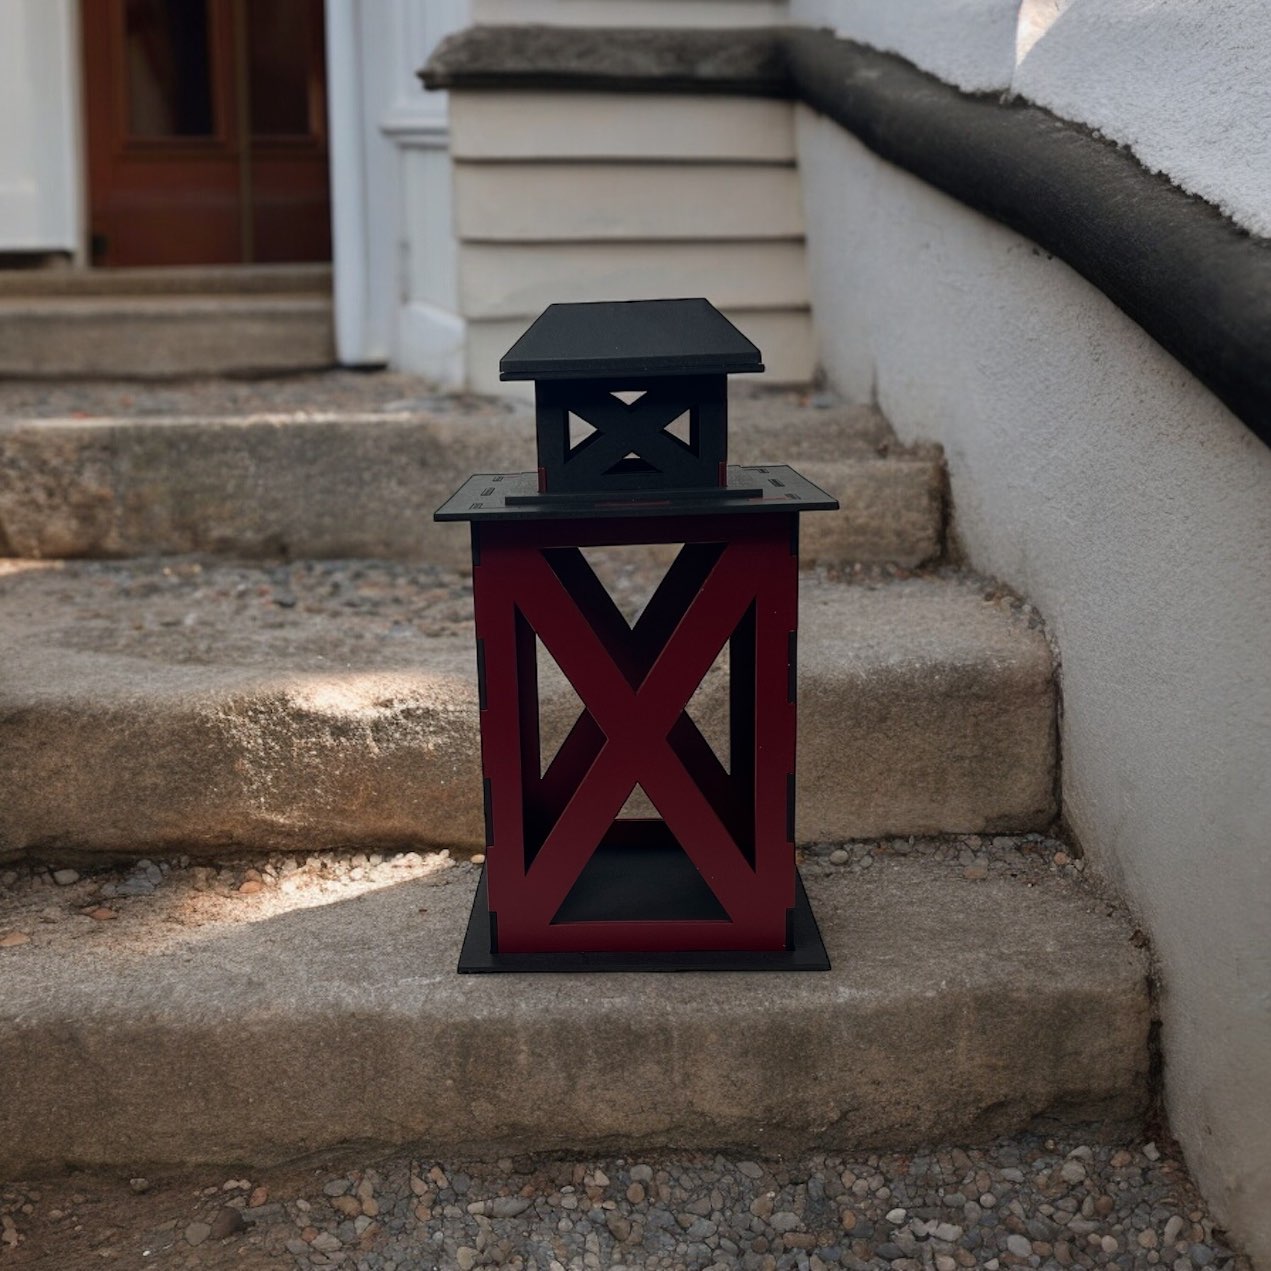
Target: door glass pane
point(284, 53)
point(168, 65)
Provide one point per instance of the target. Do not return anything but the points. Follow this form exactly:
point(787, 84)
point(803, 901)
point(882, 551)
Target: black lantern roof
point(629, 338)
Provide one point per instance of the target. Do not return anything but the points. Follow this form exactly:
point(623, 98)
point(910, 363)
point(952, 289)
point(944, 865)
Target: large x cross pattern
point(636, 720)
point(623, 428)
point(634, 727)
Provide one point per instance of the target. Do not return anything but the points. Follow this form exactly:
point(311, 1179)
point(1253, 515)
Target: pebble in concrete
point(197, 1232)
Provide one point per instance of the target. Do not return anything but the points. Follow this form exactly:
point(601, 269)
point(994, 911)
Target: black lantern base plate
point(807, 951)
point(514, 496)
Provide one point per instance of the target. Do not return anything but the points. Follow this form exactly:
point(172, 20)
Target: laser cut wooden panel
point(565, 872)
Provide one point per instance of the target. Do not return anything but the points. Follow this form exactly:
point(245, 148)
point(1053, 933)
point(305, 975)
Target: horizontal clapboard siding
point(543, 126)
point(509, 280)
point(560, 202)
point(570, 197)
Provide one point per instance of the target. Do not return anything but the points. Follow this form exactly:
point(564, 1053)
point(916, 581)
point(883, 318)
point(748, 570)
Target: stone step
point(200, 707)
point(245, 1030)
point(161, 336)
point(278, 477)
point(179, 280)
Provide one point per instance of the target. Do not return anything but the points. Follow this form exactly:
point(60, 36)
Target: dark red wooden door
point(206, 129)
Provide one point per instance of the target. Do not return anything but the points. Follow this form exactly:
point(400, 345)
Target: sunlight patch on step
point(102, 916)
point(25, 565)
point(332, 881)
point(374, 695)
point(193, 915)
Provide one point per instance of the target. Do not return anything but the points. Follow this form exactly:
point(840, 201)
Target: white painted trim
point(354, 338)
point(379, 112)
point(409, 128)
point(431, 341)
point(583, 127)
point(76, 155)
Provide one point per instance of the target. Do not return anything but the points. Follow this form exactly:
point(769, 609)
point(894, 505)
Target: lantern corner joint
point(570, 882)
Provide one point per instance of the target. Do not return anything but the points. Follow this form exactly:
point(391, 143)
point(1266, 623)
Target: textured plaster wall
point(1185, 84)
point(1095, 475)
point(969, 43)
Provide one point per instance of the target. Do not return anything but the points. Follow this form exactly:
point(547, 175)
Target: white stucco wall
point(969, 43)
point(1185, 85)
point(1099, 478)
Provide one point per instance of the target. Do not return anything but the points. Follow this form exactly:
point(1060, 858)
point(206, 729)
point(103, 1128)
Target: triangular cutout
point(640, 873)
point(629, 465)
point(681, 428)
point(630, 575)
point(709, 708)
point(579, 430)
point(558, 706)
point(629, 396)
point(638, 806)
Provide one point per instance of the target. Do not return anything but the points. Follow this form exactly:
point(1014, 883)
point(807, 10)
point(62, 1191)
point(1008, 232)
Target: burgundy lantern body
point(569, 882)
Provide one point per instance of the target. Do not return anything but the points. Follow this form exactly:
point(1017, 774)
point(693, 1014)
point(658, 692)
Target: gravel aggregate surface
point(798, 418)
point(1026, 1202)
point(197, 610)
point(320, 393)
point(59, 900)
point(310, 394)
point(359, 392)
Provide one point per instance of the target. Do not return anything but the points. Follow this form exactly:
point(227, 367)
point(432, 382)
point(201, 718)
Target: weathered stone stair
point(157, 323)
point(956, 1010)
point(286, 475)
point(211, 707)
point(180, 708)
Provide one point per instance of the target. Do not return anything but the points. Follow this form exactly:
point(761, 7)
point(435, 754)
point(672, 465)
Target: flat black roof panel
point(629, 337)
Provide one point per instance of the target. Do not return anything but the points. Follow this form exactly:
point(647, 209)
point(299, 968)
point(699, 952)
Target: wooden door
point(206, 126)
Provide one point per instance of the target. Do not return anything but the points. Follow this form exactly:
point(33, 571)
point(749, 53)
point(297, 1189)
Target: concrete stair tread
point(177, 280)
point(801, 424)
point(142, 617)
point(155, 336)
point(345, 465)
point(956, 1010)
point(197, 705)
point(166, 307)
point(807, 425)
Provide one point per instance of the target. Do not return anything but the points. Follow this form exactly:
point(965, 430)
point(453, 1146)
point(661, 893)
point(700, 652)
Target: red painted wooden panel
point(736, 580)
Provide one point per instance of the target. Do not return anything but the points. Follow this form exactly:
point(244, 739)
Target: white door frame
point(378, 113)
